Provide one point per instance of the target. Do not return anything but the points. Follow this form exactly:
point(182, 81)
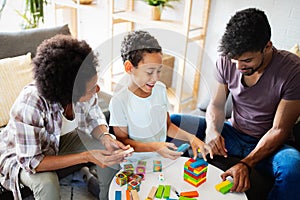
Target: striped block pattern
point(195, 171)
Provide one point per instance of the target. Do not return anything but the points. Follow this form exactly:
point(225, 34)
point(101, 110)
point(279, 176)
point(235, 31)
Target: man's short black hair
point(135, 44)
point(247, 31)
point(62, 67)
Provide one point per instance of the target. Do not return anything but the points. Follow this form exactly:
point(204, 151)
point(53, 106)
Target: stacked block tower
point(195, 171)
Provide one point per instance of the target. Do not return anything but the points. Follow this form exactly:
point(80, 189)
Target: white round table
point(173, 175)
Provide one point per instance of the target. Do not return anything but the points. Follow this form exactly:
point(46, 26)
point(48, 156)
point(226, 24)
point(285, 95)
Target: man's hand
point(240, 175)
point(216, 143)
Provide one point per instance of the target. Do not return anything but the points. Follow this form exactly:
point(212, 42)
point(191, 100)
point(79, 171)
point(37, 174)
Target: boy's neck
point(138, 91)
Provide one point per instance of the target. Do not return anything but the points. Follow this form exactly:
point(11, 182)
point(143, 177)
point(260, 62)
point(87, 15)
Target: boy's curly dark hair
point(135, 44)
point(62, 67)
point(247, 31)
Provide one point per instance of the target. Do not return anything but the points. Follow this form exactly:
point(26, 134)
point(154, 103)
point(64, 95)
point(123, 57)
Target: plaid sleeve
point(91, 115)
point(28, 128)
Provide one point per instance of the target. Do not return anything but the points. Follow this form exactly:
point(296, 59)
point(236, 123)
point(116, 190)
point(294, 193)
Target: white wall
point(283, 15)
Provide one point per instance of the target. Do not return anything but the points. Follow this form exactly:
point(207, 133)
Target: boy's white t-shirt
point(145, 118)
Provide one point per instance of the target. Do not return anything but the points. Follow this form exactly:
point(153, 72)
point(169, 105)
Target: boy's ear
point(128, 66)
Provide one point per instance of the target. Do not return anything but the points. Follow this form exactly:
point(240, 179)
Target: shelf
point(177, 97)
point(135, 17)
point(174, 100)
point(74, 8)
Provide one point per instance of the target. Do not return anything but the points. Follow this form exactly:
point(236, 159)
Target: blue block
point(198, 163)
point(118, 195)
point(183, 147)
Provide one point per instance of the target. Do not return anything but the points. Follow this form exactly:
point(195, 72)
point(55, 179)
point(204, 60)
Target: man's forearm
point(215, 118)
point(268, 144)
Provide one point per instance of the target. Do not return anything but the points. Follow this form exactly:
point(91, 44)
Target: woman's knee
point(45, 185)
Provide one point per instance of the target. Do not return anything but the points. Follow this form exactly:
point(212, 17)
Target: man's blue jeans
point(283, 165)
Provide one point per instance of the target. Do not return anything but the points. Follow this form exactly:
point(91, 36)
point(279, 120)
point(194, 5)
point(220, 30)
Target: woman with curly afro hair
point(56, 122)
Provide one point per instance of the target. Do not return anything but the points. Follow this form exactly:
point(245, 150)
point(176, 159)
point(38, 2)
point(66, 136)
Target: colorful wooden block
point(189, 194)
point(128, 196)
point(195, 171)
point(141, 167)
point(121, 179)
point(118, 195)
point(186, 198)
point(134, 195)
point(157, 166)
point(224, 187)
point(159, 191)
point(133, 185)
point(129, 167)
point(161, 177)
point(152, 192)
point(167, 191)
point(135, 177)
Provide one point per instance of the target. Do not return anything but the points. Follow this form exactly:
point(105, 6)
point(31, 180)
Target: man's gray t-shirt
point(254, 107)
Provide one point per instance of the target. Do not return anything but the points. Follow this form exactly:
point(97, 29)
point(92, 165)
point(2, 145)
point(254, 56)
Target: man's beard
point(252, 70)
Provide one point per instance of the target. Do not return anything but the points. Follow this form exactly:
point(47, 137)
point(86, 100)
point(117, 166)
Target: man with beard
point(265, 86)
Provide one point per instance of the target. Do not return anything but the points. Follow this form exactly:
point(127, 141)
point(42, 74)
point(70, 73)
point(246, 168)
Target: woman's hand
point(205, 149)
point(166, 150)
point(112, 144)
point(104, 158)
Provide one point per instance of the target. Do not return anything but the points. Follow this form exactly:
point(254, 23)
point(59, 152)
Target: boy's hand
point(167, 150)
point(205, 149)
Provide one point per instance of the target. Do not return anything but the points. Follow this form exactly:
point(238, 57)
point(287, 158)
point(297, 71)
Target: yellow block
point(222, 184)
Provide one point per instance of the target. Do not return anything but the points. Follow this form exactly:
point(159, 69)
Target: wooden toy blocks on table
point(141, 168)
point(121, 179)
point(195, 171)
point(224, 187)
point(157, 166)
point(129, 168)
point(133, 185)
point(160, 191)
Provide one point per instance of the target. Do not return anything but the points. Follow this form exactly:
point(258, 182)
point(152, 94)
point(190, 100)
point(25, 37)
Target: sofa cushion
point(295, 50)
point(20, 42)
point(15, 73)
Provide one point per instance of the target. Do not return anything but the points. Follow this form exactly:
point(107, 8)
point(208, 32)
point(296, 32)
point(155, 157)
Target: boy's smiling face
point(145, 75)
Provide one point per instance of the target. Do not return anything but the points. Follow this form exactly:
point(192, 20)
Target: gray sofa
point(14, 44)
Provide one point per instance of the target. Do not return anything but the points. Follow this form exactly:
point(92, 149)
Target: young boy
point(139, 112)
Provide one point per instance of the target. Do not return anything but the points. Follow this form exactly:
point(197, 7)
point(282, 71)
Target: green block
point(159, 191)
point(186, 198)
point(167, 191)
point(226, 188)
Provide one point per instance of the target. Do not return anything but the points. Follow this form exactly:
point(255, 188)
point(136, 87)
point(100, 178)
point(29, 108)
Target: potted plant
point(33, 13)
point(158, 6)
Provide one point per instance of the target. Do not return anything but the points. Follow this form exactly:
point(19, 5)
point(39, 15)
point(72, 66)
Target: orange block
point(189, 194)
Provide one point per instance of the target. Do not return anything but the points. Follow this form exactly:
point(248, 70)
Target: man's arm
point(215, 116)
point(286, 115)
